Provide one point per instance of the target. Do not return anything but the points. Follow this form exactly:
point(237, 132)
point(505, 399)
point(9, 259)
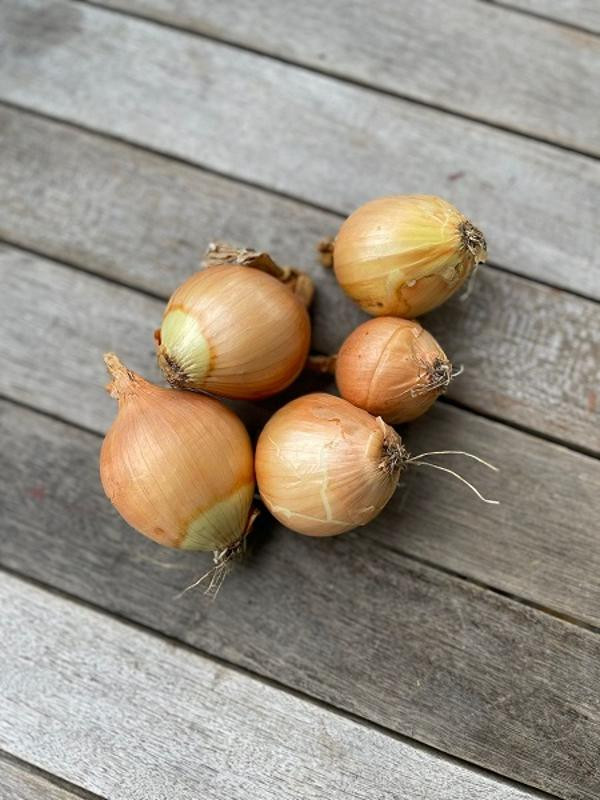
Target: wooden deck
point(448, 651)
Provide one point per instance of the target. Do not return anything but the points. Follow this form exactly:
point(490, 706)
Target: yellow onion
point(393, 368)
point(402, 256)
point(233, 331)
point(324, 466)
point(177, 466)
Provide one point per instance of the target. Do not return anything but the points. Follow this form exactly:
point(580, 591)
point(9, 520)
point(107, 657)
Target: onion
point(324, 466)
point(404, 255)
point(235, 332)
point(177, 466)
point(393, 368)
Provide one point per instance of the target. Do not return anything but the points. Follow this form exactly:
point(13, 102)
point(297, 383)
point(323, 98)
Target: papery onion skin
point(404, 255)
point(233, 331)
point(177, 466)
point(392, 368)
point(324, 466)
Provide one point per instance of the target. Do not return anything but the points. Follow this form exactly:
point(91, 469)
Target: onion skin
point(324, 466)
point(392, 368)
point(405, 255)
point(177, 466)
point(233, 331)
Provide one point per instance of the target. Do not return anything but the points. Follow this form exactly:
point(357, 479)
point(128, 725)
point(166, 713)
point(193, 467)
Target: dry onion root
point(234, 331)
point(392, 368)
point(178, 467)
point(324, 466)
point(404, 255)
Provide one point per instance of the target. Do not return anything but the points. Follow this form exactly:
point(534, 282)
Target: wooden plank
point(20, 781)
point(417, 50)
point(311, 136)
point(582, 13)
point(68, 319)
point(174, 724)
point(142, 219)
point(540, 544)
point(347, 620)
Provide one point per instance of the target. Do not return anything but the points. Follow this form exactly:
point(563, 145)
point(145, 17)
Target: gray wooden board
point(347, 620)
point(583, 13)
point(20, 781)
point(59, 322)
point(531, 354)
point(465, 56)
point(289, 129)
point(168, 723)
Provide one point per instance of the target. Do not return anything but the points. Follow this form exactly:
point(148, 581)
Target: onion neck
point(299, 282)
point(125, 383)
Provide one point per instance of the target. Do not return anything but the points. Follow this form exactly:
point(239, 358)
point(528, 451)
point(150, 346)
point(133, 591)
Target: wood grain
point(531, 354)
point(347, 620)
point(583, 13)
point(21, 781)
point(540, 544)
point(68, 320)
point(418, 50)
point(310, 136)
point(173, 724)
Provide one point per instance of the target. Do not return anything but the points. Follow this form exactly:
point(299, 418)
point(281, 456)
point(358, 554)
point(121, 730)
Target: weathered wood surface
point(369, 622)
point(466, 56)
point(347, 620)
point(67, 319)
point(132, 716)
point(274, 124)
point(582, 13)
point(20, 781)
point(143, 220)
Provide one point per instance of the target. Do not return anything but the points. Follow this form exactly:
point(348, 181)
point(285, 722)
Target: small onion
point(324, 466)
point(393, 368)
point(233, 331)
point(177, 466)
point(404, 255)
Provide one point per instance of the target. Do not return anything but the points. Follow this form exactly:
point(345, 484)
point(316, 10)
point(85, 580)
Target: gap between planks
point(529, 11)
point(29, 589)
point(104, 135)
point(472, 635)
point(22, 780)
point(167, 154)
point(445, 399)
point(488, 587)
point(347, 78)
point(532, 230)
point(69, 789)
point(42, 217)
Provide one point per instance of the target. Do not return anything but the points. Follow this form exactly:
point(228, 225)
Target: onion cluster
point(178, 464)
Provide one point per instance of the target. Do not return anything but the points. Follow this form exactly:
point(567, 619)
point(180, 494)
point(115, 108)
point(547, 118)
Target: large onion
point(177, 466)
